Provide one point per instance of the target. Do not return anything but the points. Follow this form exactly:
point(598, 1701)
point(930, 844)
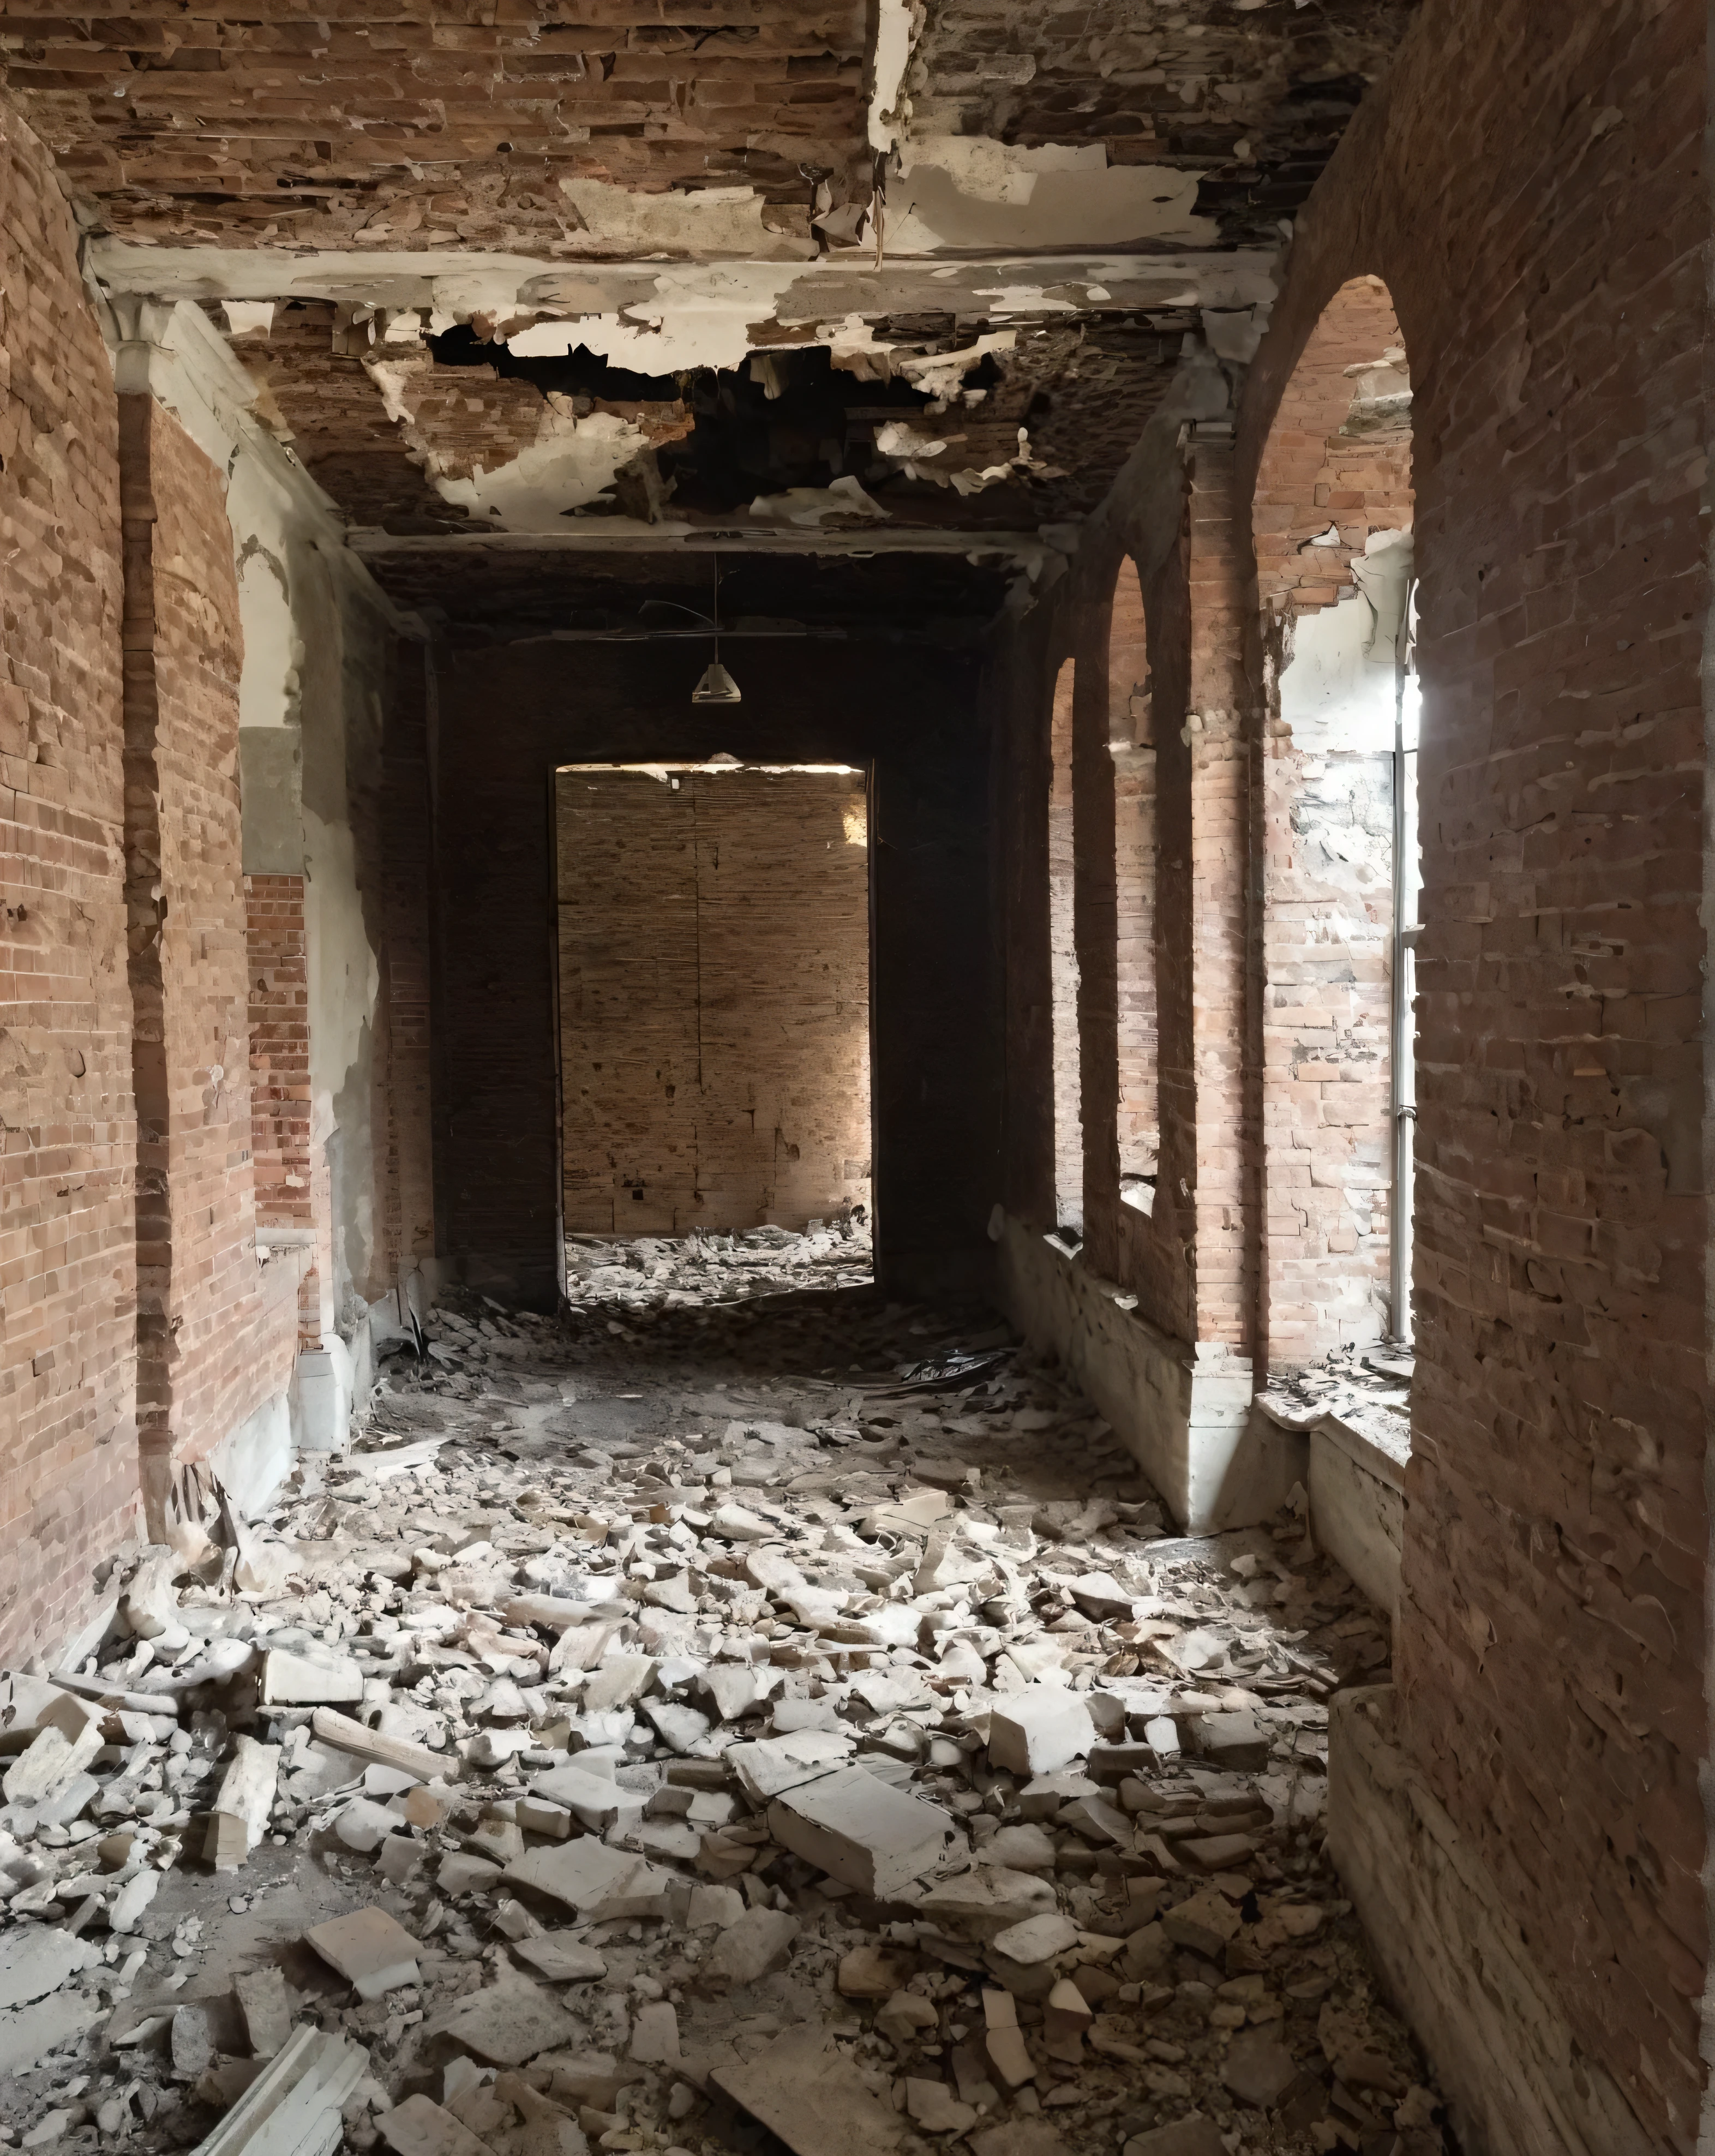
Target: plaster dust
point(629, 1594)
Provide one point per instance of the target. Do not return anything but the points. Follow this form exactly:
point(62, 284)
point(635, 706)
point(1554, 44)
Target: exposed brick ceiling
point(372, 123)
point(1254, 98)
point(429, 132)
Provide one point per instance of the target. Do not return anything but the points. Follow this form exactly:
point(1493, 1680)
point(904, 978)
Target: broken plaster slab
point(572, 463)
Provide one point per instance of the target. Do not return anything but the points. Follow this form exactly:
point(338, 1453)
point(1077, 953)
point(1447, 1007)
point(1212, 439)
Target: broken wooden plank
point(295, 2107)
point(345, 1735)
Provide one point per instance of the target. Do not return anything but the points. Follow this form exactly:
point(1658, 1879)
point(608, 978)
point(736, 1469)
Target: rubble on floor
point(663, 1271)
point(700, 1725)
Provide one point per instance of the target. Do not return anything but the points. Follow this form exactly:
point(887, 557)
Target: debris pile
point(713, 1726)
point(664, 1272)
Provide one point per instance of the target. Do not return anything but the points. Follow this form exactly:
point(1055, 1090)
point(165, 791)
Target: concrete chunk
point(560, 1960)
point(815, 2099)
point(1203, 1923)
point(771, 1765)
point(419, 2127)
point(978, 1903)
point(760, 1940)
point(1037, 1938)
point(374, 1955)
point(37, 1960)
point(506, 2024)
point(1035, 1731)
point(597, 1803)
point(262, 1998)
point(596, 1881)
point(859, 1830)
point(294, 1680)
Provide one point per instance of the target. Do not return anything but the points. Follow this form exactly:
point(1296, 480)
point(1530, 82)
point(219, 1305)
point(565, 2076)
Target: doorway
point(713, 979)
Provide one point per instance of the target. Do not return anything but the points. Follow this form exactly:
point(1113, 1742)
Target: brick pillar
point(215, 1342)
point(1219, 843)
point(146, 907)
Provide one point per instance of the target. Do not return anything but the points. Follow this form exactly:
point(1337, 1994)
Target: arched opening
point(1333, 519)
point(1132, 744)
point(1063, 964)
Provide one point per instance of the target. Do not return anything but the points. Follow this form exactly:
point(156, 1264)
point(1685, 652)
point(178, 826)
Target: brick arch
point(1335, 468)
point(1319, 470)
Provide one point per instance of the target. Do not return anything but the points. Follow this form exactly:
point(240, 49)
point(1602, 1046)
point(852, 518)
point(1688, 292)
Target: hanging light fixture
point(717, 685)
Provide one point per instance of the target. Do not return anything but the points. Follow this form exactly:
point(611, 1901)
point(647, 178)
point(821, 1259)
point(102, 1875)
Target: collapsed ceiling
point(580, 272)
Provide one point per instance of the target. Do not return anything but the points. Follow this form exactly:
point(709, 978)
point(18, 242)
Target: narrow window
point(1063, 965)
point(1131, 746)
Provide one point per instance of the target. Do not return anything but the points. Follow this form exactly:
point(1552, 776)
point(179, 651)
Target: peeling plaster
point(570, 465)
point(897, 26)
point(699, 316)
point(969, 191)
point(455, 287)
point(268, 677)
point(1338, 689)
point(814, 505)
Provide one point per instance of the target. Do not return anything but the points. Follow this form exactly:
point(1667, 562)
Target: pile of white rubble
point(692, 1727)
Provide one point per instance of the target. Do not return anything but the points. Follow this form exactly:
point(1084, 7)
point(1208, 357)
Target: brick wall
point(278, 953)
point(212, 1345)
point(1063, 957)
point(1148, 637)
point(714, 1000)
point(68, 1461)
point(404, 1060)
point(1527, 184)
point(1219, 808)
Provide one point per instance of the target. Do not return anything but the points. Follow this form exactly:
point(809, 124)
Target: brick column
point(1219, 843)
point(212, 1348)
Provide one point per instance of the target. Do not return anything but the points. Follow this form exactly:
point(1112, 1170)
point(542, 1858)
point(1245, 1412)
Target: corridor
point(854, 1079)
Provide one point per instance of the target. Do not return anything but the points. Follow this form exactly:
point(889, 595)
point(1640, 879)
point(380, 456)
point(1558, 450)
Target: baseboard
point(1182, 1409)
point(1456, 1965)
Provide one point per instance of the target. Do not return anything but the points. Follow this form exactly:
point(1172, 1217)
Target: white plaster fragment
point(249, 317)
point(570, 464)
point(814, 504)
point(896, 24)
